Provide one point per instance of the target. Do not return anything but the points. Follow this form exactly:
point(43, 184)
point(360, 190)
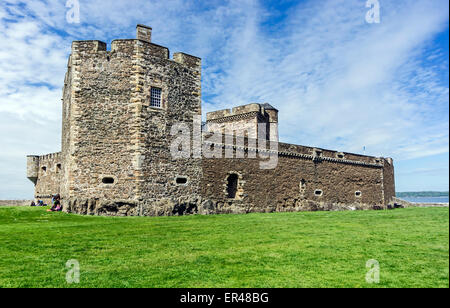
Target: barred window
point(155, 97)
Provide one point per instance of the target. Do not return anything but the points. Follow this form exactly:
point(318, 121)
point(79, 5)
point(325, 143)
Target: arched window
point(232, 185)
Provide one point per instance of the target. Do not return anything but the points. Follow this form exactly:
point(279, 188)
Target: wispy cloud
point(338, 82)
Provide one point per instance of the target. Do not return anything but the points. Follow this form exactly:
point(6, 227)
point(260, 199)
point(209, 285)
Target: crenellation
point(188, 61)
point(88, 47)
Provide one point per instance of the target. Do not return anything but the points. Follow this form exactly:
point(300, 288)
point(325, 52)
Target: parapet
point(187, 60)
point(50, 157)
point(88, 47)
point(236, 111)
point(142, 45)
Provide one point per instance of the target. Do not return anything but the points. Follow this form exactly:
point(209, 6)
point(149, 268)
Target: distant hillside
point(423, 194)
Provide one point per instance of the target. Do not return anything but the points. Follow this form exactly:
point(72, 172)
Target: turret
point(245, 121)
point(33, 168)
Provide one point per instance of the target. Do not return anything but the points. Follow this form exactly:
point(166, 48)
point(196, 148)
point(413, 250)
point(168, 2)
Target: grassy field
point(321, 249)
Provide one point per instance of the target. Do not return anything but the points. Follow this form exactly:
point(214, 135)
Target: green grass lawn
point(321, 249)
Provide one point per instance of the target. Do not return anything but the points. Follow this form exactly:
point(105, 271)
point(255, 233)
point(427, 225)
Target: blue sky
point(338, 81)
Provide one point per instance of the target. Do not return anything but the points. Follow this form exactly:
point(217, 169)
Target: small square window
point(358, 194)
point(155, 97)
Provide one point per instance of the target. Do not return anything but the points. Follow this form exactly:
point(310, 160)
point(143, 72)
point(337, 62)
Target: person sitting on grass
point(56, 204)
point(33, 203)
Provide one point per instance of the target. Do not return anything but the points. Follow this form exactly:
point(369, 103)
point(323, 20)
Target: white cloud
point(334, 77)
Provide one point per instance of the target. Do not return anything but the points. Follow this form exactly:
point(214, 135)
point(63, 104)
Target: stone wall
point(67, 141)
point(300, 182)
point(46, 172)
point(161, 176)
point(388, 180)
point(99, 145)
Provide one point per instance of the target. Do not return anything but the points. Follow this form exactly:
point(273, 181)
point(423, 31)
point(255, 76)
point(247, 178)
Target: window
point(181, 180)
point(108, 180)
point(44, 169)
point(340, 155)
point(155, 97)
point(232, 185)
point(318, 192)
point(58, 168)
point(358, 194)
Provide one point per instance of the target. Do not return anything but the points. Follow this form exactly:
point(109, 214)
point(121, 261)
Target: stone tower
point(246, 121)
point(118, 110)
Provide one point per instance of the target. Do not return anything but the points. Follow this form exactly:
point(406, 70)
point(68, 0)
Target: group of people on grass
point(38, 203)
point(56, 204)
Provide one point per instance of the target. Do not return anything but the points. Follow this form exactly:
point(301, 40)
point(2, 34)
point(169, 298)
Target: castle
point(120, 108)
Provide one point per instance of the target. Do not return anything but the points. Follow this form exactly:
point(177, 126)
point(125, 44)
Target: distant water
point(426, 199)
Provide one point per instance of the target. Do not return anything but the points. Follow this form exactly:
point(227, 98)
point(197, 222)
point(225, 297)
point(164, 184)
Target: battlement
point(253, 108)
point(88, 47)
point(139, 47)
point(35, 163)
point(50, 157)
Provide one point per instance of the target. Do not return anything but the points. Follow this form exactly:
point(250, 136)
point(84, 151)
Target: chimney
point(144, 33)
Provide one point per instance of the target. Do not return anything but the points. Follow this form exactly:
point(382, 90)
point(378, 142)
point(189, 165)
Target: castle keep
point(120, 107)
